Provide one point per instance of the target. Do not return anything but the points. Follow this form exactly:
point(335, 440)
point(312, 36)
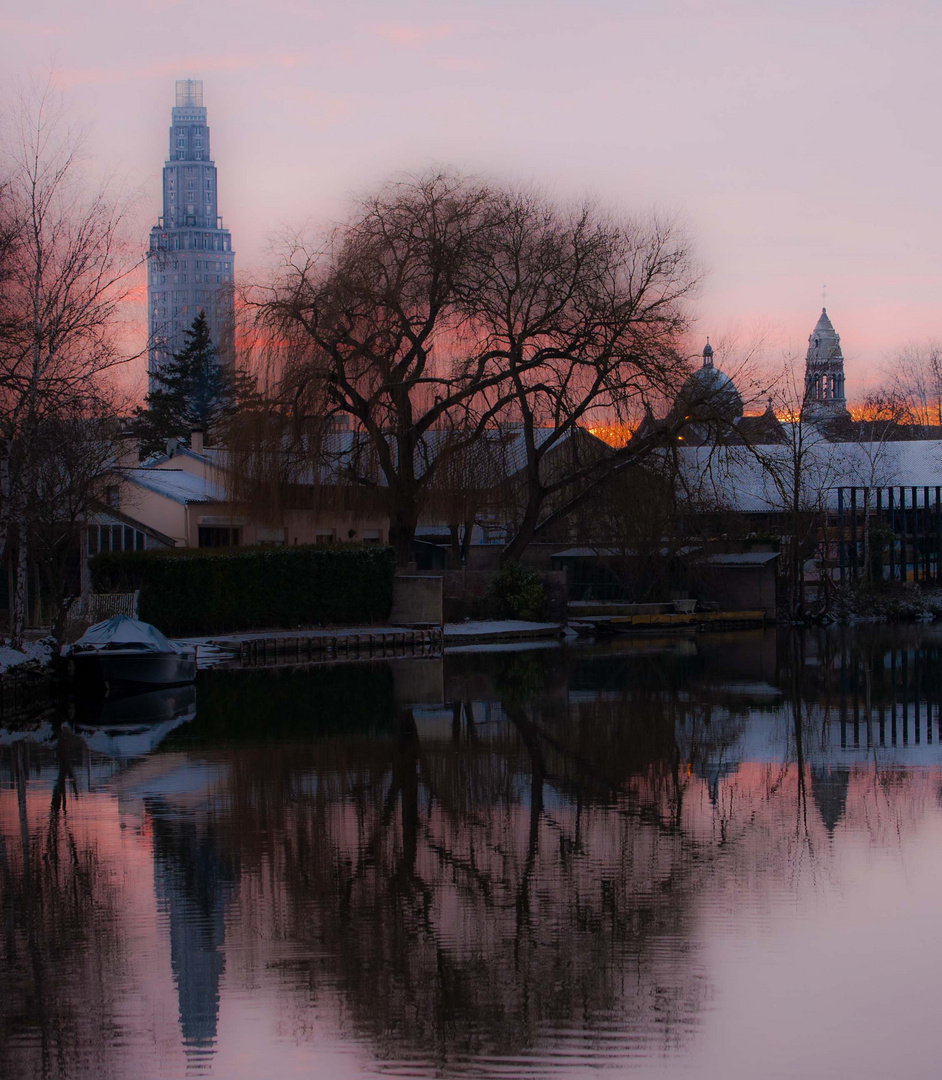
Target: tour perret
point(191, 264)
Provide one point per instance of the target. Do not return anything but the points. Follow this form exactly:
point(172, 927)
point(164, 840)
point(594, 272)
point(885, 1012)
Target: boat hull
point(106, 668)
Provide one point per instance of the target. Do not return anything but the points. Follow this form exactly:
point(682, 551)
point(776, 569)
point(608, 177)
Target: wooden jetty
point(665, 622)
point(262, 651)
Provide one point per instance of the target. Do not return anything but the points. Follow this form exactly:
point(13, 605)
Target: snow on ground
point(485, 627)
point(39, 652)
point(506, 646)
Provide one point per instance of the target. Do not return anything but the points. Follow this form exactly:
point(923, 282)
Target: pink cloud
point(401, 34)
point(474, 66)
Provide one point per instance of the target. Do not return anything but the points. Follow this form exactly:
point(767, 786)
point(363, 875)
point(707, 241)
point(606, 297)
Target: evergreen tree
point(193, 392)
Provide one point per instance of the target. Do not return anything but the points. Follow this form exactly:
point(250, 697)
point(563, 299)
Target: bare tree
point(800, 474)
point(64, 282)
point(586, 315)
point(915, 377)
point(446, 307)
point(385, 304)
point(73, 469)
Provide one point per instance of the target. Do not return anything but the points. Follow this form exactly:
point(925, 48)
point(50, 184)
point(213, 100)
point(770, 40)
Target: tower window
point(199, 155)
point(181, 154)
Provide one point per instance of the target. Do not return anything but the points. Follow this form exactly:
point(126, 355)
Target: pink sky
point(796, 139)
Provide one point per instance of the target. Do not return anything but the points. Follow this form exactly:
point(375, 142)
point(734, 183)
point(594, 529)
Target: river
point(710, 857)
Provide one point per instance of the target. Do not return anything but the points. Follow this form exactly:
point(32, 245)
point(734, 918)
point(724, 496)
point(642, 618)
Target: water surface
point(692, 857)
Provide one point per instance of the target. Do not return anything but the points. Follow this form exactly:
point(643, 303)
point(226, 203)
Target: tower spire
point(191, 264)
point(824, 373)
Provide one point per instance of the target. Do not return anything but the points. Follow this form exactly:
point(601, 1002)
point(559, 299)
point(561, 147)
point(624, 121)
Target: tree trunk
point(20, 584)
point(524, 535)
point(402, 524)
point(466, 540)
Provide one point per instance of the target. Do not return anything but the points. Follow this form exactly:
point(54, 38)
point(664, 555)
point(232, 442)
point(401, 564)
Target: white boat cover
point(120, 632)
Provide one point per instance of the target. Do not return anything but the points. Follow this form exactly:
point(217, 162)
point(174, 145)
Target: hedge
point(199, 591)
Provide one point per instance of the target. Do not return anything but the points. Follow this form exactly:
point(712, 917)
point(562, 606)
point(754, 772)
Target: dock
point(671, 622)
point(262, 650)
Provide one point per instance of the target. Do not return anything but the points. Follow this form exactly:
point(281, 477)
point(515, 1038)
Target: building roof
point(736, 478)
point(743, 559)
point(175, 484)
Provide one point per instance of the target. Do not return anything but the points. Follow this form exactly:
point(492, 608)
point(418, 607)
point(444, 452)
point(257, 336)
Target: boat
point(123, 653)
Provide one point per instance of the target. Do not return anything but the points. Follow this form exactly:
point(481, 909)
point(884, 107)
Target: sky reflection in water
point(710, 858)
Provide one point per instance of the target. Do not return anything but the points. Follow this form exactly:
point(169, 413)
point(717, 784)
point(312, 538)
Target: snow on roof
point(745, 558)
point(740, 479)
point(175, 484)
point(352, 453)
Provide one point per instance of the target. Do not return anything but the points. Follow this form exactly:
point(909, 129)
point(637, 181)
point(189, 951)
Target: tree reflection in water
point(532, 865)
point(471, 883)
point(60, 907)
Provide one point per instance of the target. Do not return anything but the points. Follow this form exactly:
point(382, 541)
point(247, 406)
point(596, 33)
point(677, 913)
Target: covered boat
point(122, 652)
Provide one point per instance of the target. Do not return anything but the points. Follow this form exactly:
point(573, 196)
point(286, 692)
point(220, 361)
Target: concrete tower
point(824, 373)
point(191, 264)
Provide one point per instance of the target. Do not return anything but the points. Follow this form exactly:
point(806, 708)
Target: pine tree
point(194, 392)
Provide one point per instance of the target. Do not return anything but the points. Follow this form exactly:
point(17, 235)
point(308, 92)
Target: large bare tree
point(446, 306)
point(586, 314)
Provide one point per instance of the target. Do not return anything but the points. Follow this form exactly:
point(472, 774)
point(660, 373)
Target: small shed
point(739, 582)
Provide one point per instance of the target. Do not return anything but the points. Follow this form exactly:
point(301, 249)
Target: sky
point(795, 140)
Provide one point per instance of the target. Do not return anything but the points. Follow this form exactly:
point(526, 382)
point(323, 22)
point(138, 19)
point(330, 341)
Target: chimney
point(196, 441)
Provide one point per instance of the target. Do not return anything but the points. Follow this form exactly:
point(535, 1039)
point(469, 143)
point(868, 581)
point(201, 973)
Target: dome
point(709, 394)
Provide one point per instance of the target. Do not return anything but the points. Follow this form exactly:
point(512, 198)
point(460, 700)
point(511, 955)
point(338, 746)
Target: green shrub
point(198, 591)
point(517, 593)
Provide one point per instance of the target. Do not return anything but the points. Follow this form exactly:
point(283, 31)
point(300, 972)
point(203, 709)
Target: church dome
point(709, 394)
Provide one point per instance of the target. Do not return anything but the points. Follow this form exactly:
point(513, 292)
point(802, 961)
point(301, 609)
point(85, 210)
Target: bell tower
point(824, 374)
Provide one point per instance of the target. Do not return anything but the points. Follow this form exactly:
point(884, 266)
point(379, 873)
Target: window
point(199, 142)
point(111, 495)
point(372, 536)
point(198, 154)
point(181, 142)
point(181, 154)
point(323, 539)
point(217, 536)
